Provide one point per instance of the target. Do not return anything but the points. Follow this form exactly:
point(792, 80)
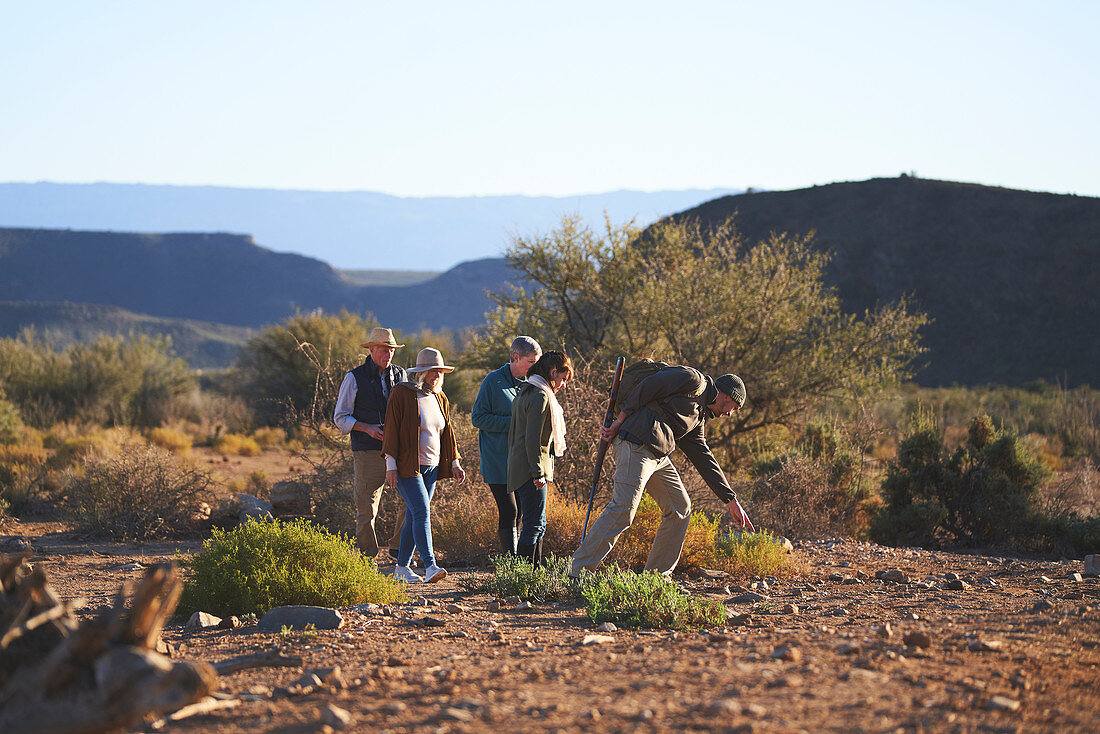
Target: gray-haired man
point(665, 411)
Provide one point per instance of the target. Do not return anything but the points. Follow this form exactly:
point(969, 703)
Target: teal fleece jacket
point(491, 416)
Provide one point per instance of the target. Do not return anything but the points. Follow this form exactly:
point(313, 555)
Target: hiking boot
point(434, 573)
point(404, 573)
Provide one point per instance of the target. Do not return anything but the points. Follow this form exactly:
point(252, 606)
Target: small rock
point(336, 717)
point(956, 585)
point(1076, 577)
point(896, 576)
point(202, 621)
point(455, 609)
point(431, 622)
point(395, 662)
point(596, 639)
point(951, 576)
point(1003, 703)
point(844, 564)
point(131, 567)
point(984, 645)
point(839, 612)
point(985, 581)
point(1092, 565)
point(725, 707)
point(456, 714)
point(525, 606)
point(422, 601)
point(230, 623)
point(850, 648)
point(513, 600)
point(331, 676)
point(714, 574)
point(886, 630)
point(837, 577)
point(1041, 606)
point(394, 707)
point(916, 639)
point(787, 652)
point(495, 605)
point(755, 710)
point(740, 619)
point(750, 597)
point(607, 627)
point(299, 617)
point(790, 609)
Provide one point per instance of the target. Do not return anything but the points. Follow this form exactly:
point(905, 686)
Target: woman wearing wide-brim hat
point(420, 448)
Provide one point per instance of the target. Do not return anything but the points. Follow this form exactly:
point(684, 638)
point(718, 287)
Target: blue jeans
point(532, 507)
point(417, 492)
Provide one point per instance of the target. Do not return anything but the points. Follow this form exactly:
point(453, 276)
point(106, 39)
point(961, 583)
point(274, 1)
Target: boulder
point(202, 621)
point(299, 617)
point(252, 507)
point(291, 498)
point(1092, 565)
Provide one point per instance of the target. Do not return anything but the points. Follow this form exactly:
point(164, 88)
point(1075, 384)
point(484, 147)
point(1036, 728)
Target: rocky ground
point(945, 642)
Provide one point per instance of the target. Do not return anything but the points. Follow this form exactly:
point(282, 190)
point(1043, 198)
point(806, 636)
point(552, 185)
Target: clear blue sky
point(465, 98)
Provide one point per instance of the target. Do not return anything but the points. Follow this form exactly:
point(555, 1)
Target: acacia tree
point(708, 299)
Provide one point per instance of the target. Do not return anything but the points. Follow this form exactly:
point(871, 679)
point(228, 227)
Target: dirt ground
point(1013, 648)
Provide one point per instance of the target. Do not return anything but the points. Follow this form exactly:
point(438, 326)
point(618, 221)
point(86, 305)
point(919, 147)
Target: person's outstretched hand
point(737, 512)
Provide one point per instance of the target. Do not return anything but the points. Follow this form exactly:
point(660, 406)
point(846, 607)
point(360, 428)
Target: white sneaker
point(434, 573)
point(404, 573)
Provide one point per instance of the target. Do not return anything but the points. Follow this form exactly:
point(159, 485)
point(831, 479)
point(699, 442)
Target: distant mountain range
point(1010, 278)
point(347, 229)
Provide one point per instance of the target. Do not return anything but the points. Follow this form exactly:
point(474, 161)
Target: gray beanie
point(733, 386)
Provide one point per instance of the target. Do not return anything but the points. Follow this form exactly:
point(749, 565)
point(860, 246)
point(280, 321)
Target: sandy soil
point(1014, 650)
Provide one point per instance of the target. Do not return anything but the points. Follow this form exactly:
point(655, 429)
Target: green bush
point(261, 565)
point(519, 577)
point(647, 600)
point(115, 380)
point(11, 423)
point(987, 492)
point(750, 554)
point(142, 492)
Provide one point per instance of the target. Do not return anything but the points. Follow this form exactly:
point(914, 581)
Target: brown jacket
point(401, 434)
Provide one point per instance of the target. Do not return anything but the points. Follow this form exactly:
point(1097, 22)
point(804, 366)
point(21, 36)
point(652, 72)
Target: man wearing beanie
point(665, 411)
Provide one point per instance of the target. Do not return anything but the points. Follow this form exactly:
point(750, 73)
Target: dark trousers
point(532, 504)
point(507, 508)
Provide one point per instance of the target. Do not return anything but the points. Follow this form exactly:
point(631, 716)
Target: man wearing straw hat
point(360, 413)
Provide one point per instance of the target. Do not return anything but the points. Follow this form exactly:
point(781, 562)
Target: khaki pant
point(637, 470)
point(369, 479)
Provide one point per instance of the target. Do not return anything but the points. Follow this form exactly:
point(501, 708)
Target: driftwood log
point(61, 675)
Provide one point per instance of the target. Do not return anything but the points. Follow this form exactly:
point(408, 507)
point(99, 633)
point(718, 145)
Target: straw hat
point(381, 338)
point(429, 359)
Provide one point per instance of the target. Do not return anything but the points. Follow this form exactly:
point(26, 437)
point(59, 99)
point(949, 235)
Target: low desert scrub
point(142, 492)
point(234, 444)
point(646, 600)
point(72, 451)
point(269, 437)
point(256, 484)
point(633, 547)
point(809, 497)
point(11, 422)
point(514, 576)
point(329, 480)
point(261, 565)
point(21, 469)
point(464, 522)
point(171, 439)
point(750, 554)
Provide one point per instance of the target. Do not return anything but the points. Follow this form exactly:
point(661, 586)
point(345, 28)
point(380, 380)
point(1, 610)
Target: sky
point(483, 98)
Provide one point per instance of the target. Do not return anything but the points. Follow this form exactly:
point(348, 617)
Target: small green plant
point(647, 600)
point(752, 554)
point(310, 631)
point(519, 577)
point(260, 565)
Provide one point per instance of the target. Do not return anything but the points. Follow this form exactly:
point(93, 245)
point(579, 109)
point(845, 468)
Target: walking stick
point(601, 450)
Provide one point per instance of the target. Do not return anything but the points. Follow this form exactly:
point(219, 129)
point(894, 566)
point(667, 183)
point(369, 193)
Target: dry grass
point(234, 444)
point(170, 438)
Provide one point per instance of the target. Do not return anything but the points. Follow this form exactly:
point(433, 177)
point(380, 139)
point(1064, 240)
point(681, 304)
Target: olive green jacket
point(529, 439)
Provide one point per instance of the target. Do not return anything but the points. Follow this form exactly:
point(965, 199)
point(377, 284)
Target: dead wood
point(60, 675)
point(257, 660)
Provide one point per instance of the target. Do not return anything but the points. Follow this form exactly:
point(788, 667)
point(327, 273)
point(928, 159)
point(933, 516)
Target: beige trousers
point(637, 470)
point(369, 479)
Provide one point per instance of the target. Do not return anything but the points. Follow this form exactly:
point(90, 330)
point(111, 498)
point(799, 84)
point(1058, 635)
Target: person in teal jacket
point(492, 416)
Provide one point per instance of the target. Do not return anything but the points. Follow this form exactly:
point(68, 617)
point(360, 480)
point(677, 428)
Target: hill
point(1010, 277)
point(348, 229)
point(201, 344)
point(225, 279)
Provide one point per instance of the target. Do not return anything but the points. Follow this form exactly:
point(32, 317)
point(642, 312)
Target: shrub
point(750, 554)
point(269, 437)
point(985, 492)
point(171, 439)
point(798, 497)
point(329, 479)
point(514, 576)
point(464, 525)
point(73, 450)
point(261, 565)
point(647, 600)
point(115, 380)
point(633, 546)
point(234, 444)
point(143, 492)
point(21, 469)
point(11, 423)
